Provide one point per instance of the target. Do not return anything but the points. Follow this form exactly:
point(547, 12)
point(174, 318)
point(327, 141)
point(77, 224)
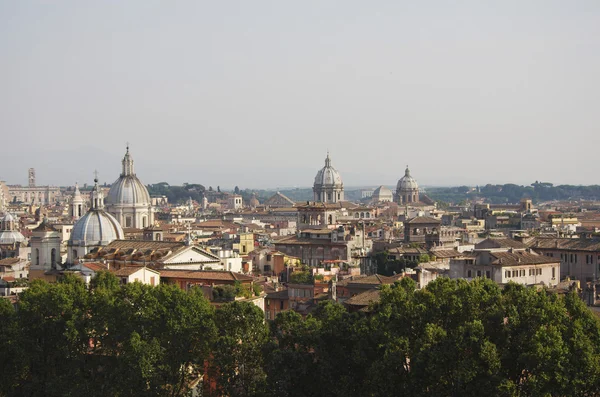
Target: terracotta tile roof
point(344, 282)
point(142, 244)
point(567, 244)
point(500, 243)
point(283, 294)
point(408, 250)
point(364, 298)
point(95, 266)
point(9, 279)
point(306, 241)
point(423, 220)
point(520, 258)
point(446, 253)
point(205, 275)
point(376, 279)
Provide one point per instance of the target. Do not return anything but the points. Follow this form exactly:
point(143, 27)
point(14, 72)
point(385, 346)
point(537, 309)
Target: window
point(268, 314)
point(507, 274)
point(488, 274)
point(553, 272)
point(268, 302)
point(478, 273)
point(281, 305)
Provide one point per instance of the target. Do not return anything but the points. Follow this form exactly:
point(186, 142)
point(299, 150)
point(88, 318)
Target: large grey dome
point(328, 176)
point(96, 227)
point(128, 189)
point(382, 193)
point(407, 182)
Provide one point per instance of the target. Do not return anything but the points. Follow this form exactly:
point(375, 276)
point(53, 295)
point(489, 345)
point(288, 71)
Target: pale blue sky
point(253, 93)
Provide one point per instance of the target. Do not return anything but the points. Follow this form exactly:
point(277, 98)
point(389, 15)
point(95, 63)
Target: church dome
point(96, 227)
point(8, 234)
point(128, 189)
point(11, 237)
point(407, 182)
point(382, 193)
point(328, 176)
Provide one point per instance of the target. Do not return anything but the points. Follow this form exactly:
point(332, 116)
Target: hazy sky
point(253, 93)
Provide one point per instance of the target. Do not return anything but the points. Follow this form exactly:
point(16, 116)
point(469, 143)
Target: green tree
point(237, 363)
point(53, 338)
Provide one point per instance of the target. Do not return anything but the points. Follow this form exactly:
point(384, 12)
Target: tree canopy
point(452, 338)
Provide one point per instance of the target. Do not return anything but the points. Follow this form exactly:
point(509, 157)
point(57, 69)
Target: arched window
point(74, 255)
point(53, 258)
point(158, 237)
point(144, 221)
point(330, 219)
point(37, 256)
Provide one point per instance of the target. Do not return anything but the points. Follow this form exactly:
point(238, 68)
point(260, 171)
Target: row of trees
point(177, 194)
point(453, 338)
point(511, 193)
